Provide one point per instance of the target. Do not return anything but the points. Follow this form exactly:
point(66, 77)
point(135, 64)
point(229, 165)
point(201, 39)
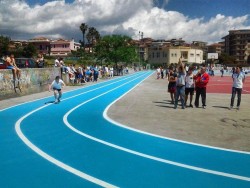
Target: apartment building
point(216, 48)
point(236, 44)
point(189, 55)
point(59, 47)
point(42, 44)
point(62, 47)
point(158, 53)
point(143, 45)
point(166, 54)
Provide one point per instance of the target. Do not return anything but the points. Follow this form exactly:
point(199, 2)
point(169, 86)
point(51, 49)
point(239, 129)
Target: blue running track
point(75, 144)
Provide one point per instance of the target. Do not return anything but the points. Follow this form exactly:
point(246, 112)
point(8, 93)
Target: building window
point(158, 54)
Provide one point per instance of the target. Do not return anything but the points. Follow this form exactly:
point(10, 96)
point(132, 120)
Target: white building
point(62, 47)
point(166, 55)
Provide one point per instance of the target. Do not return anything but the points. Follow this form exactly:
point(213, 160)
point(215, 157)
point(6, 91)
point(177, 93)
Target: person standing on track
point(57, 86)
point(238, 80)
point(201, 80)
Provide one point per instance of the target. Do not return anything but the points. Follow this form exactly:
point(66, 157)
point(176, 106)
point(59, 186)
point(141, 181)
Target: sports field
point(75, 144)
point(218, 84)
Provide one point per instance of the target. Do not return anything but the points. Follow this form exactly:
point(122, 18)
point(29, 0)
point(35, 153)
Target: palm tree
point(92, 36)
point(83, 28)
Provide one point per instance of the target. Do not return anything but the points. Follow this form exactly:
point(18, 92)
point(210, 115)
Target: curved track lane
point(73, 144)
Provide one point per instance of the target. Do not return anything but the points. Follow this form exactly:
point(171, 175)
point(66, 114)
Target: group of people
point(11, 64)
point(84, 74)
point(182, 83)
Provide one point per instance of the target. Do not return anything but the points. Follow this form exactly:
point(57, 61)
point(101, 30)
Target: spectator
point(162, 72)
point(222, 71)
point(238, 80)
point(40, 61)
point(172, 84)
point(11, 64)
point(158, 73)
point(111, 72)
point(57, 62)
point(189, 87)
point(95, 74)
point(62, 65)
point(180, 86)
point(201, 80)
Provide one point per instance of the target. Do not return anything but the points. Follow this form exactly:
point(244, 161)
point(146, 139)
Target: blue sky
point(210, 8)
point(205, 20)
point(194, 8)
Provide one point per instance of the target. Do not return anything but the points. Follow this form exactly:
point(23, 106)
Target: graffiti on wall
point(30, 79)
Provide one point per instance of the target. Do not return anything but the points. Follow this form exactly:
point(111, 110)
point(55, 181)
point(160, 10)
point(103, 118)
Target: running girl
point(57, 86)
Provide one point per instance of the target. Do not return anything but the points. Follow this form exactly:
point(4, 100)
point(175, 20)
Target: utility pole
point(139, 49)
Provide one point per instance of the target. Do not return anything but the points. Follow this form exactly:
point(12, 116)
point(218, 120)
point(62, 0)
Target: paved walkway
point(148, 108)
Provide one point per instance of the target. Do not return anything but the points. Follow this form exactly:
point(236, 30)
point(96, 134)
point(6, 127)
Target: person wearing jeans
point(238, 80)
point(180, 86)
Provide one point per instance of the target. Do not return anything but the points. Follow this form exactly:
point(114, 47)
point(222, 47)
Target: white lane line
point(52, 159)
point(105, 115)
point(65, 119)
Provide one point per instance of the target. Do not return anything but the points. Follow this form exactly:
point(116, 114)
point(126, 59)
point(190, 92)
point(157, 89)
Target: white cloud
point(59, 19)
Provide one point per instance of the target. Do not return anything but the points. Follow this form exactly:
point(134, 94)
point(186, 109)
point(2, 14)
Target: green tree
point(226, 59)
point(93, 37)
point(29, 50)
point(116, 48)
point(4, 45)
point(83, 28)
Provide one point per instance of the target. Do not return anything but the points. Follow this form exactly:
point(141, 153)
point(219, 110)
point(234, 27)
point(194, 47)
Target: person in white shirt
point(189, 87)
point(158, 72)
point(238, 80)
point(111, 72)
point(57, 62)
point(57, 86)
point(180, 86)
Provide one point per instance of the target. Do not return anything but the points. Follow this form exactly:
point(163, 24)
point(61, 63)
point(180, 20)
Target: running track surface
point(218, 84)
point(75, 144)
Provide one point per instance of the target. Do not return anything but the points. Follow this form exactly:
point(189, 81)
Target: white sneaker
point(56, 101)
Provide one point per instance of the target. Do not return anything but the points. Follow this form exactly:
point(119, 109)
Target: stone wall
point(32, 81)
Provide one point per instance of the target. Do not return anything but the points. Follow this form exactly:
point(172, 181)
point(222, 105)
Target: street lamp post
point(139, 49)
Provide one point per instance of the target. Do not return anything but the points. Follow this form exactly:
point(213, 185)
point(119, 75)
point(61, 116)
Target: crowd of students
point(183, 84)
point(84, 74)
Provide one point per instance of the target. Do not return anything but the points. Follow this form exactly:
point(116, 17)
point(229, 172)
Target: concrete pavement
point(148, 108)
